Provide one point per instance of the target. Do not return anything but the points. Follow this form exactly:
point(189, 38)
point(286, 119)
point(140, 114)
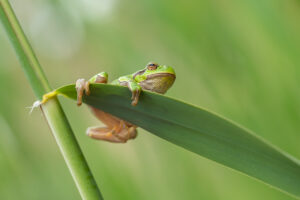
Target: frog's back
point(125, 78)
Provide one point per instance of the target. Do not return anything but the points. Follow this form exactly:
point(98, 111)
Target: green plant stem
point(52, 110)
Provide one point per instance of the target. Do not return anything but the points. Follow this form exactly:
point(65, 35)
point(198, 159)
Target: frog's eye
point(152, 66)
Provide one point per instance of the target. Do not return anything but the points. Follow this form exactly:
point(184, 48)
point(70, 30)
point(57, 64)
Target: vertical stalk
point(52, 110)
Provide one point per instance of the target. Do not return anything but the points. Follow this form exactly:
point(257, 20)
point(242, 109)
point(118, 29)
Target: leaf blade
point(199, 131)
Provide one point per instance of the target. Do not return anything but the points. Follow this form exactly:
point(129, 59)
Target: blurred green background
point(237, 58)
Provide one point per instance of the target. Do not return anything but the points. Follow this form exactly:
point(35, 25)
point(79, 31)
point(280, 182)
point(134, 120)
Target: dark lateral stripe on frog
point(138, 73)
point(161, 75)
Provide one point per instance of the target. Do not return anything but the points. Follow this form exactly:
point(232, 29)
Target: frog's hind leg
point(112, 135)
point(117, 130)
point(103, 133)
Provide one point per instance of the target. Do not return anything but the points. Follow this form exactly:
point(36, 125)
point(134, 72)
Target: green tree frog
point(154, 77)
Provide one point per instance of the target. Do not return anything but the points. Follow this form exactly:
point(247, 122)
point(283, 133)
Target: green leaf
point(199, 131)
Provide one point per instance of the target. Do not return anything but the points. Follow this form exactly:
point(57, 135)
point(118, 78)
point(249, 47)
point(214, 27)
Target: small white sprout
point(38, 103)
point(34, 105)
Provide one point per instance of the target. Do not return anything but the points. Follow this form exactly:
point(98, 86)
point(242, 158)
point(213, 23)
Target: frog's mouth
point(173, 76)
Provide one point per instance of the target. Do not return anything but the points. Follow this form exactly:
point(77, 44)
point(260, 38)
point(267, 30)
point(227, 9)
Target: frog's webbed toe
point(82, 86)
point(135, 97)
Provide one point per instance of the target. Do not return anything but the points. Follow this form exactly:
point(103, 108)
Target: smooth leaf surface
point(199, 131)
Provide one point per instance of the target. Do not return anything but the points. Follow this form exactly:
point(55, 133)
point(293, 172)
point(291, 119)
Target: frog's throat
point(159, 83)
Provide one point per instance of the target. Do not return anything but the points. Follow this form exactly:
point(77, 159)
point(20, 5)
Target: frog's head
point(156, 78)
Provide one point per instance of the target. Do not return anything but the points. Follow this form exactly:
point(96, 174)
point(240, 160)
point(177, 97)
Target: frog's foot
point(103, 133)
point(135, 97)
point(124, 131)
point(82, 86)
point(118, 134)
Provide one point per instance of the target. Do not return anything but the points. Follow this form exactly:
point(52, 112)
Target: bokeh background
point(239, 58)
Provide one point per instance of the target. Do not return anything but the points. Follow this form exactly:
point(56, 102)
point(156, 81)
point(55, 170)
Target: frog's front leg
point(83, 86)
point(133, 86)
